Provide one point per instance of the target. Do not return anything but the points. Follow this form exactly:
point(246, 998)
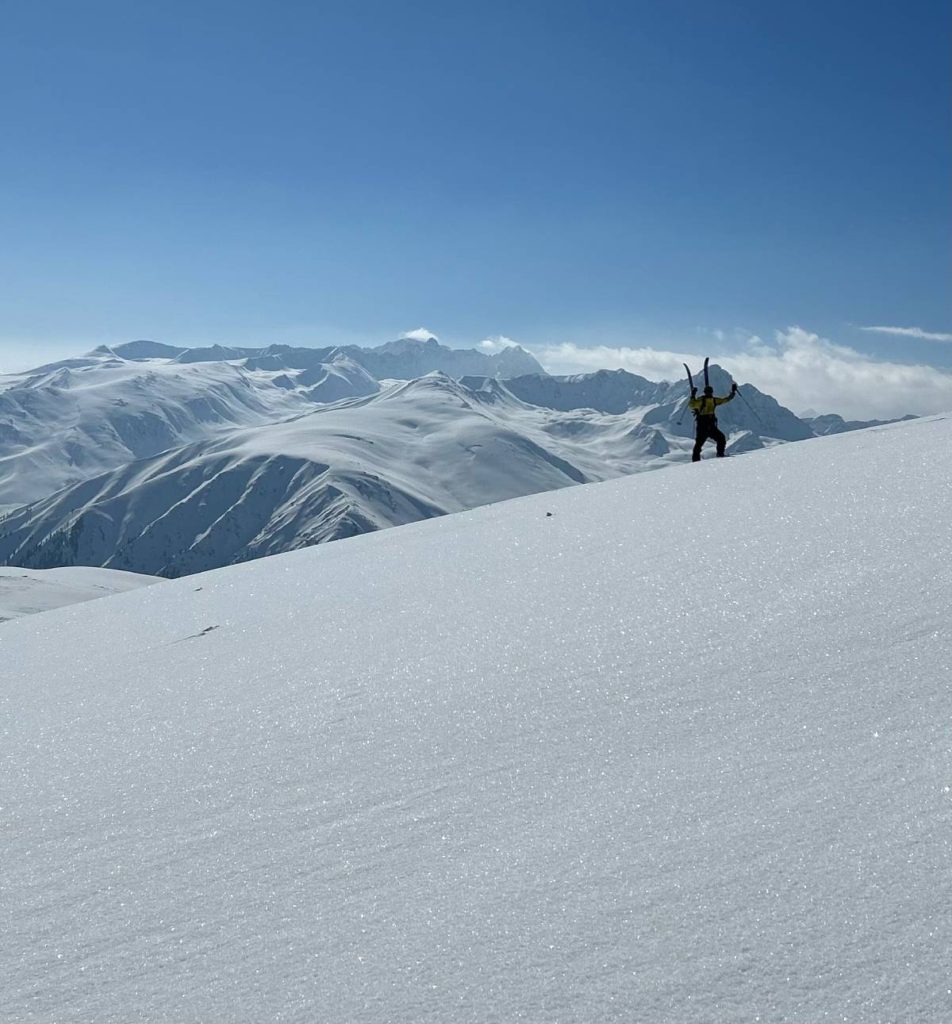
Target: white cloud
point(494, 345)
point(799, 368)
point(911, 332)
point(655, 364)
point(420, 334)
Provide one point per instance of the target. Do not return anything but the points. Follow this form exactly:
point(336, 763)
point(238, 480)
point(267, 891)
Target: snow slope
point(25, 591)
point(677, 752)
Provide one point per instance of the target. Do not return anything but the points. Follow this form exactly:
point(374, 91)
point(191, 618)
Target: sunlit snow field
point(27, 591)
point(679, 751)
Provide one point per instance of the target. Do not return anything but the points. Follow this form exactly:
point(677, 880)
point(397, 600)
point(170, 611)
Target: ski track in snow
point(678, 751)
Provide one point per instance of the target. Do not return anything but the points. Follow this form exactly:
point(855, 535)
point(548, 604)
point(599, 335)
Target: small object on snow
point(548, 515)
point(195, 636)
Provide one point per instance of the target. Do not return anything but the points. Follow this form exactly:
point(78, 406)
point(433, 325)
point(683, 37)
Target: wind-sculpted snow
point(673, 747)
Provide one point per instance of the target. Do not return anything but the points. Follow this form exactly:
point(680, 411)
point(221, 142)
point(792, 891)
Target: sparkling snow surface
point(681, 751)
point(25, 591)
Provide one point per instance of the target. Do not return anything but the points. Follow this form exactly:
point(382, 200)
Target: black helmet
point(708, 390)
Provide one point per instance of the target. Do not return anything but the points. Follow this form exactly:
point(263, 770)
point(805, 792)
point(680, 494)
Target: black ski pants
point(707, 430)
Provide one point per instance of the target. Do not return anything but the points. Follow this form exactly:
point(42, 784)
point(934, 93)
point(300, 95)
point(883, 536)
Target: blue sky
point(587, 175)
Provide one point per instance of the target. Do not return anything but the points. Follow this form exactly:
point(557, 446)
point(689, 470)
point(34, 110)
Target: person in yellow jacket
point(706, 428)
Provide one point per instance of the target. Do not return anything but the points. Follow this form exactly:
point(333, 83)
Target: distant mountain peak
point(141, 349)
point(421, 335)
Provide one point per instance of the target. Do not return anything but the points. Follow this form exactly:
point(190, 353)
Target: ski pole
point(752, 409)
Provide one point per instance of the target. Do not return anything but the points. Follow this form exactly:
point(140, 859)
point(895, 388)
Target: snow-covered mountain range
point(169, 461)
point(71, 420)
point(403, 359)
point(672, 748)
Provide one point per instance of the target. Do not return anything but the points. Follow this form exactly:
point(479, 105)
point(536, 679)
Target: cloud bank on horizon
point(799, 368)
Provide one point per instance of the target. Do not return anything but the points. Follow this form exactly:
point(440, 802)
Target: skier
point(706, 425)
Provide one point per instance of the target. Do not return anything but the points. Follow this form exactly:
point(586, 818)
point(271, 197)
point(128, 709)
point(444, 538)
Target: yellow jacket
point(707, 404)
